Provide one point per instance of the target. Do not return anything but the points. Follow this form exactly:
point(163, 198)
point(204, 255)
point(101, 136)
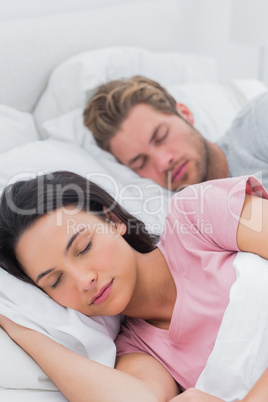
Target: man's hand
point(194, 395)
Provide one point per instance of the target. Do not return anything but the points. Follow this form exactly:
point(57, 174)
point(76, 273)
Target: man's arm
point(81, 379)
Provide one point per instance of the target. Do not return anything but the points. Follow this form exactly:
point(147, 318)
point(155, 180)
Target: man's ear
point(185, 112)
point(111, 217)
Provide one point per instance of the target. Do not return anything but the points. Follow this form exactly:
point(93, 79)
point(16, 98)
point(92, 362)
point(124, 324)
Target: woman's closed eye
point(55, 284)
point(88, 246)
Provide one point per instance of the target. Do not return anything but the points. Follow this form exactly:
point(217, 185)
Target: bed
point(50, 66)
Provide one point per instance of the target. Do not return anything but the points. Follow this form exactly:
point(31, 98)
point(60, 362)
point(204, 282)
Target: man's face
point(162, 147)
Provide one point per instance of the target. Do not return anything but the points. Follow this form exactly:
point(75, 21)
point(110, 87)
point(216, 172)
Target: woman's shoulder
point(205, 192)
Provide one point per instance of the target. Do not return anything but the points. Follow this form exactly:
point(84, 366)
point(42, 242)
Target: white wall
point(205, 26)
point(11, 9)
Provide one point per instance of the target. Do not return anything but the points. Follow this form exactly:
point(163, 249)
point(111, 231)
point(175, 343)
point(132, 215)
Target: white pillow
point(18, 370)
point(215, 104)
point(29, 306)
point(73, 82)
point(16, 128)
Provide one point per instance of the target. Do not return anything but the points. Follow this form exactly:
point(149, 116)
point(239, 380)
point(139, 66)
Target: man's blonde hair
point(111, 104)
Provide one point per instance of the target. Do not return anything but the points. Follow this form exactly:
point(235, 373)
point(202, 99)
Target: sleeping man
point(144, 127)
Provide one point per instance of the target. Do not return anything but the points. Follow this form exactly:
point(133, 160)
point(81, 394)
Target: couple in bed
point(174, 291)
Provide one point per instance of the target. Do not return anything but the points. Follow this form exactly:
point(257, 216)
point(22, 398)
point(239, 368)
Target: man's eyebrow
point(155, 133)
point(133, 160)
point(70, 242)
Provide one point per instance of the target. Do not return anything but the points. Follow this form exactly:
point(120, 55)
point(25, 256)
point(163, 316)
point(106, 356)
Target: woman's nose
point(84, 278)
point(86, 282)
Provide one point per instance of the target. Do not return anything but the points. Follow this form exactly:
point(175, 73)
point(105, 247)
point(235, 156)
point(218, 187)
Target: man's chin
point(180, 187)
point(180, 184)
point(175, 187)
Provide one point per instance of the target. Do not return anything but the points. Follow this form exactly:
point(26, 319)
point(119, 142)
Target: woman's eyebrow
point(70, 242)
point(40, 276)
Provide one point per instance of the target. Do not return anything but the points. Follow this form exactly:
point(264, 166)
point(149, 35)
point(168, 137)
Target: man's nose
point(163, 159)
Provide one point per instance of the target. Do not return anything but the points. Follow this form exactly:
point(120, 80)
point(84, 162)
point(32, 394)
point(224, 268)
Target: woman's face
point(80, 261)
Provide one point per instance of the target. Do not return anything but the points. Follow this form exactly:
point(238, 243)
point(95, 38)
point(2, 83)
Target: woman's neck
point(155, 293)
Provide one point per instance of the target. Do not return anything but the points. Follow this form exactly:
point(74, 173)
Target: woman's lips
point(103, 294)
point(179, 172)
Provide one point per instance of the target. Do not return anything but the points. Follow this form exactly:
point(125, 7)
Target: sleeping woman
point(76, 243)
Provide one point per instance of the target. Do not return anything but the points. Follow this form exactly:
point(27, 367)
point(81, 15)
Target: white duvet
point(240, 354)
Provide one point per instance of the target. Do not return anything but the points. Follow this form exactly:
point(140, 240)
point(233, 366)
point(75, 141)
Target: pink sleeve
point(128, 341)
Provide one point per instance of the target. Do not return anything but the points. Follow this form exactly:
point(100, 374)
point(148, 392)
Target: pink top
point(199, 245)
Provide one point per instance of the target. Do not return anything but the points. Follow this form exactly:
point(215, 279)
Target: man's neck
point(218, 166)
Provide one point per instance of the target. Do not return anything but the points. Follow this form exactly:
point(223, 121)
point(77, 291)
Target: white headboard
point(31, 48)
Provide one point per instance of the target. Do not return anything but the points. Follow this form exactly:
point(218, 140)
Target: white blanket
point(240, 354)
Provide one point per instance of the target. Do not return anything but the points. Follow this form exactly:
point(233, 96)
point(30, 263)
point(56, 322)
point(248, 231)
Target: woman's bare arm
point(259, 393)
point(252, 232)
point(194, 395)
point(81, 379)
point(147, 368)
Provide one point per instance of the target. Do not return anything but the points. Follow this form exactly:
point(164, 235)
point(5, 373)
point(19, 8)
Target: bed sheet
point(25, 395)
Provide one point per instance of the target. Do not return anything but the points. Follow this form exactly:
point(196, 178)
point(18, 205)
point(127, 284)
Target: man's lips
point(102, 295)
point(179, 171)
